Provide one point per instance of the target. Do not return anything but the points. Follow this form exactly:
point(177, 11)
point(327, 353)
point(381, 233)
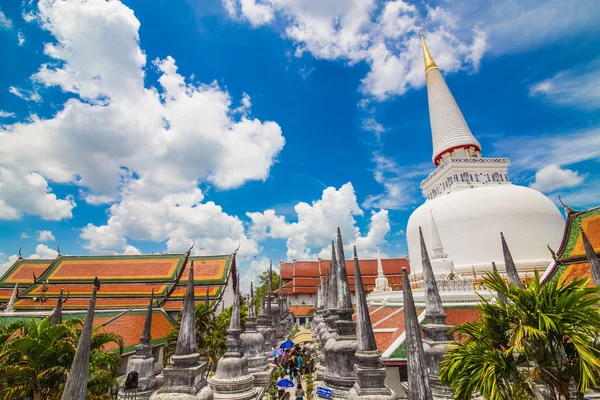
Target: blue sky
point(143, 126)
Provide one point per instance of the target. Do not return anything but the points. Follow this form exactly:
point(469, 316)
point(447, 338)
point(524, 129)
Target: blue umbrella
point(286, 345)
point(285, 383)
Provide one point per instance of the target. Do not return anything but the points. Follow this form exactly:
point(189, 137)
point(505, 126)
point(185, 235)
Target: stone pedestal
point(370, 383)
point(232, 380)
point(143, 363)
point(340, 358)
point(183, 379)
point(435, 346)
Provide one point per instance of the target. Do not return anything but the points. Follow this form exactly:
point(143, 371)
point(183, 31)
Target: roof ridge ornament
point(20, 255)
point(568, 210)
point(591, 257)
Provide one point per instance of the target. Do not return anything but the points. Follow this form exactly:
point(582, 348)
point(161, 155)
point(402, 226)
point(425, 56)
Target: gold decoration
point(429, 63)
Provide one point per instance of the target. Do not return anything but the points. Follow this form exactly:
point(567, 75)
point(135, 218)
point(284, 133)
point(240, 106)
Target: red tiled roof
point(107, 290)
point(286, 271)
point(199, 292)
point(178, 304)
point(306, 282)
point(210, 269)
point(109, 303)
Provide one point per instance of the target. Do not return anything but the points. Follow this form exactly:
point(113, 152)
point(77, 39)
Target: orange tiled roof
point(27, 304)
point(22, 272)
point(130, 326)
point(171, 305)
point(136, 268)
point(209, 269)
point(199, 292)
point(301, 311)
point(107, 290)
point(570, 259)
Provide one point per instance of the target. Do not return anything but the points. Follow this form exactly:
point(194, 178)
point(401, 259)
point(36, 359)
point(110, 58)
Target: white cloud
point(172, 136)
point(25, 235)
point(551, 178)
point(21, 38)
point(131, 250)
point(317, 223)
point(5, 114)
point(7, 262)
point(45, 236)
point(371, 125)
point(28, 95)
point(572, 87)
point(5, 22)
point(359, 31)
point(257, 267)
point(43, 251)
point(401, 184)
point(29, 193)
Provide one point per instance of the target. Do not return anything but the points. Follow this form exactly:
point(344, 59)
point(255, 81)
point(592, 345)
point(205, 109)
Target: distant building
point(301, 279)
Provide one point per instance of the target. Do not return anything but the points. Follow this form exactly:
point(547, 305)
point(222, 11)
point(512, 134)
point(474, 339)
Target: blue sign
point(324, 392)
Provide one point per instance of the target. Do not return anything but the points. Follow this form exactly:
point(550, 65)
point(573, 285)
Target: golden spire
point(429, 63)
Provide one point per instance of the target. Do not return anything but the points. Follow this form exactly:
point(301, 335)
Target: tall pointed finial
point(270, 293)
point(511, 269)
point(418, 377)
point(191, 247)
point(235, 323)
point(379, 265)
point(333, 288)
point(344, 297)
point(262, 303)
point(10, 307)
point(186, 341)
point(591, 257)
point(433, 302)
point(437, 247)
point(365, 336)
point(501, 296)
point(146, 335)
point(429, 63)
point(56, 317)
point(251, 312)
point(77, 379)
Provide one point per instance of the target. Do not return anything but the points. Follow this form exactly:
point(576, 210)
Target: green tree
point(211, 333)
point(544, 336)
point(263, 287)
point(35, 359)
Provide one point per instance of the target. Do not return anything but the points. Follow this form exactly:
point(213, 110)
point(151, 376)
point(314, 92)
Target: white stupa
point(473, 200)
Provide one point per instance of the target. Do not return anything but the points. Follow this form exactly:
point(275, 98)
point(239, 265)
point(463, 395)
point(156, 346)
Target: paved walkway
point(292, 390)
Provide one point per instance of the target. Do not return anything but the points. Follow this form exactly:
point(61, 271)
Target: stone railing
point(454, 285)
point(472, 160)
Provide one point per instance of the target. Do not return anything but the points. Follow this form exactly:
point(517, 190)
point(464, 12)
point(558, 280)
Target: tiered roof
point(127, 281)
point(570, 260)
point(21, 272)
point(303, 276)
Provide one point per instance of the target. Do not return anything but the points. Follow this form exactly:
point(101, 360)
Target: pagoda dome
point(253, 343)
point(469, 223)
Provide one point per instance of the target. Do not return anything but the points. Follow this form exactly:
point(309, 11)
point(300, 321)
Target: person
point(299, 360)
point(299, 392)
point(280, 393)
point(292, 370)
point(286, 360)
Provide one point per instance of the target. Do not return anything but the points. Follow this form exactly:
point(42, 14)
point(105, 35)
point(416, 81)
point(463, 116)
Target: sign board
point(324, 392)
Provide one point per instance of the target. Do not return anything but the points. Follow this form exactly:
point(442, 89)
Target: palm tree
point(543, 337)
point(36, 358)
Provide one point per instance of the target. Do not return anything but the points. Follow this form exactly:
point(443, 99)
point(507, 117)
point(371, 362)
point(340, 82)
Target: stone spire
point(231, 379)
point(435, 331)
point(344, 297)
point(591, 257)
point(418, 379)
point(56, 317)
point(340, 350)
point(333, 281)
point(501, 296)
point(370, 373)
point(262, 326)
point(146, 333)
point(365, 336)
point(183, 379)
point(77, 380)
point(381, 282)
point(511, 270)
point(186, 341)
point(10, 307)
point(143, 361)
point(433, 302)
point(253, 347)
point(449, 129)
point(438, 248)
point(270, 294)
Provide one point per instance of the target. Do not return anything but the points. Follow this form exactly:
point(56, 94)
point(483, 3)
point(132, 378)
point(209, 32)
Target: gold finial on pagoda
point(429, 63)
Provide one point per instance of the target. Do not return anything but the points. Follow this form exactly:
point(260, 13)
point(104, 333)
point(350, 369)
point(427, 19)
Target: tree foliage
point(263, 287)
point(545, 336)
point(35, 359)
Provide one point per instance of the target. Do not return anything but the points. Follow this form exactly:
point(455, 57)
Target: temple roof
point(570, 260)
point(127, 281)
point(303, 276)
point(129, 326)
